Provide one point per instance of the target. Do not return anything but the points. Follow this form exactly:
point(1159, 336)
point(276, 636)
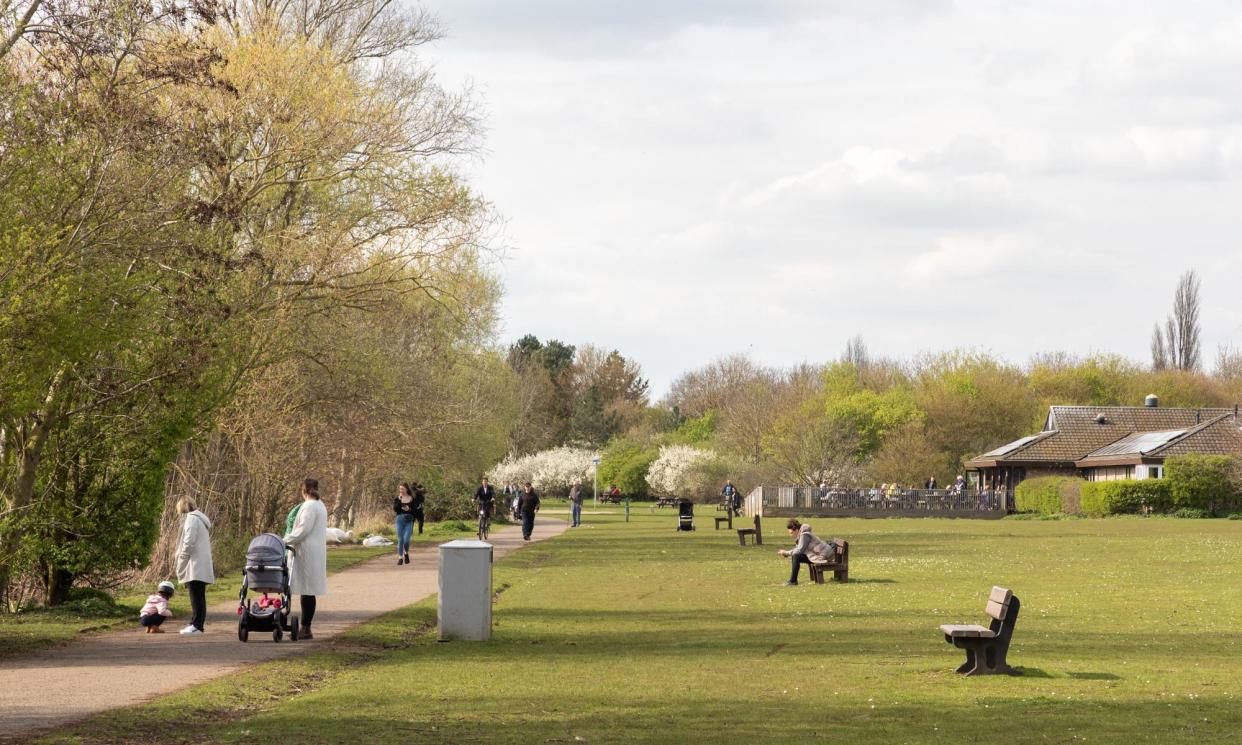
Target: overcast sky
point(683, 180)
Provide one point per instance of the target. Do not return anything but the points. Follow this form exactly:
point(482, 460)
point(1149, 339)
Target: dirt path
point(126, 667)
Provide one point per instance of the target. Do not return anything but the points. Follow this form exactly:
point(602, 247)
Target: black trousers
point(420, 516)
point(198, 603)
point(796, 561)
point(308, 610)
point(528, 523)
point(154, 619)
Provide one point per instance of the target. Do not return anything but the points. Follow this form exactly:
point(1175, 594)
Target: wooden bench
point(987, 646)
point(727, 519)
point(838, 564)
point(755, 532)
point(666, 502)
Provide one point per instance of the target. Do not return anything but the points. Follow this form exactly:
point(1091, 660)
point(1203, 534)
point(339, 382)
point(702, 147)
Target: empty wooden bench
point(987, 646)
point(755, 532)
point(838, 564)
point(727, 519)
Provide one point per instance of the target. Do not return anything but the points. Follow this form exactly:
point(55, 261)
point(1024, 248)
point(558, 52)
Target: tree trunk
point(58, 582)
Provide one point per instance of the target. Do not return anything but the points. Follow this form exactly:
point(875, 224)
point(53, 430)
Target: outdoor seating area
point(792, 501)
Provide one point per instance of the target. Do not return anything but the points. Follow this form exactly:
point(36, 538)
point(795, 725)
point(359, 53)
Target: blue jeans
point(528, 523)
point(405, 531)
point(576, 510)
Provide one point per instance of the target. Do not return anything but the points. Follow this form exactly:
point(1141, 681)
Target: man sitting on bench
point(808, 544)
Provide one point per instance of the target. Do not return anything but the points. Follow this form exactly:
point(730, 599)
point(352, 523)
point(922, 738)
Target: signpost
point(595, 488)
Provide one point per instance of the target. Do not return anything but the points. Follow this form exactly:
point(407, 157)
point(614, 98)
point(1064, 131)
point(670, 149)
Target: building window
point(1155, 472)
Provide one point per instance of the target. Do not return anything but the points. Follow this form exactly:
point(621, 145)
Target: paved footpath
point(123, 668)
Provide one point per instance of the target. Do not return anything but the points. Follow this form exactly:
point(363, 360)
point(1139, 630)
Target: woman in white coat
point(194, 567)
point(308, 571)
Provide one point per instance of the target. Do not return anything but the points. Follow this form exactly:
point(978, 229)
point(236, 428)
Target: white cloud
point(689, 179)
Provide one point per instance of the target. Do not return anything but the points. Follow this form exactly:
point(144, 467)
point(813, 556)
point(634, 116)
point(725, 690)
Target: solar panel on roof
point(1006, 449)
point(1140, 443)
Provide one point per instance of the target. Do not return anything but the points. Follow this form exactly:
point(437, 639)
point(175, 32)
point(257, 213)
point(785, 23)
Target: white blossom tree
point(553, 470)
point(670, 474)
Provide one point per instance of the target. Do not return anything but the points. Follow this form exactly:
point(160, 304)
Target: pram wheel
point(243, 633)
point(293, 628)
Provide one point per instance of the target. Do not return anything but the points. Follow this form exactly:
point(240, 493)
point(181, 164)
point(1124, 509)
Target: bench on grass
point(838, 564)
point(727, 519)
point(666, 502)
point(755, 532)
point(986, 646)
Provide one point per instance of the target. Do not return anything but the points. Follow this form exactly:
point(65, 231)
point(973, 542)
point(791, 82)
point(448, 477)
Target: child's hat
point(166, 585)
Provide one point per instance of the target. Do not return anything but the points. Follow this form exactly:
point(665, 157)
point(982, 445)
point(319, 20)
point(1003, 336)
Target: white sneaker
point(191, 630)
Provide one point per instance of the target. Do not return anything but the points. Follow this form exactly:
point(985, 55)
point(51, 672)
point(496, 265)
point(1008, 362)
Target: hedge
point(1125, 497)
point(1206, 482)
point(1047, 495)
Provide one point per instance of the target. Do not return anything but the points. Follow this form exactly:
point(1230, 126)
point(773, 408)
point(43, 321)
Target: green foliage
point(869, 414)
point(1044, 495)
point(1101, 498)
point(695, 431)
point(1191, 513)
point(1207, 482)
point(625, 463)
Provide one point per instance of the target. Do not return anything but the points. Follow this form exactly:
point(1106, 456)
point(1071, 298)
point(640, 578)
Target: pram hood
point(265, 550)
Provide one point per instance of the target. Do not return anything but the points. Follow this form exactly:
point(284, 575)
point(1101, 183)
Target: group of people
point(305, 532)
point(523, 503)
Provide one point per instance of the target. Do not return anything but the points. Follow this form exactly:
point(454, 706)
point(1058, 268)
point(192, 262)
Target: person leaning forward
point(806, 546)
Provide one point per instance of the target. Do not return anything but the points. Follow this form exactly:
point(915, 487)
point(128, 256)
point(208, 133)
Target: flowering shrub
point(671, 471)
point(552, 471)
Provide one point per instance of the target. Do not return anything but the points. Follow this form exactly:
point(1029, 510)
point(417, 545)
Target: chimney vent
point(1101, 419)
point(1152, 401)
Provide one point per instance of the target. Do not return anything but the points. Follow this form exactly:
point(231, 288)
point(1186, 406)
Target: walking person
point(194, 568)
point(528, 505)
point(732, 498)
point(575, 504)
point(403, 505)
point(308, 571)
point(420, 499)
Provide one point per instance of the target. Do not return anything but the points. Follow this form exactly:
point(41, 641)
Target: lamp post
point(595, 487)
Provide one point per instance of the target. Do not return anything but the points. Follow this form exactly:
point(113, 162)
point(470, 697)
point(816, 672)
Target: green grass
point(39, 628)
point(633, 633)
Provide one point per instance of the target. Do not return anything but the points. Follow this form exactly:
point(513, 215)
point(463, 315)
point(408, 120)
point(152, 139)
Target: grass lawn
point(634, 633)
point(38, 628)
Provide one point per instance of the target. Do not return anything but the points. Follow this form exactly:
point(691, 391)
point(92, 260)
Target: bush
point(625, 463)
point(1191, 513)
point(1100, 498)
point(1206, 482)
point(1044, 495)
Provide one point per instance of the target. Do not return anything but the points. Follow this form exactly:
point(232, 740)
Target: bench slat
point(996, 610)
point(1000, 595)
point(967, 630)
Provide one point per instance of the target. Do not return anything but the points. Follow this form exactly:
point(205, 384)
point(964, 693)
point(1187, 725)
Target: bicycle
point(485, 523)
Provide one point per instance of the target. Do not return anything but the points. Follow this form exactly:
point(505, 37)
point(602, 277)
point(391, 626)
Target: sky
point(686, 180)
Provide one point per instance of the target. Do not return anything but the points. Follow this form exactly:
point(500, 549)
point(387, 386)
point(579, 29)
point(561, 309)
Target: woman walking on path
point(404, 506)
point(194, 568)
point(528, 506)
point(308, 573)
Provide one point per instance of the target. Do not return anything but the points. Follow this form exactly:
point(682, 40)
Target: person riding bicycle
point(485, 498)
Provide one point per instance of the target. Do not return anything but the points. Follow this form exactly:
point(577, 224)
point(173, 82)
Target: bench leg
point(969, 665)
point(817, 574)
point(841, 575)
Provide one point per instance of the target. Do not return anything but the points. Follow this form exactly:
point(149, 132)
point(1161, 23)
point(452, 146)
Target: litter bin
point(465, 609)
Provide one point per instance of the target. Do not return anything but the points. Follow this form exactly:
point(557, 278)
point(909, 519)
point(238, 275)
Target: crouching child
point(806, 546)
point(156, 609)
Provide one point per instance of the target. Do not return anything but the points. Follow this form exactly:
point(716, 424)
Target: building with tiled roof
point(1103, 443)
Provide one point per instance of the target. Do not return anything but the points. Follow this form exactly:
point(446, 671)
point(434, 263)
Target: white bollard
point(465, 605)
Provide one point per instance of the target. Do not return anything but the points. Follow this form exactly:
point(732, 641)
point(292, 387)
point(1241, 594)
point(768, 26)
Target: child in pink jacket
point(156, 609)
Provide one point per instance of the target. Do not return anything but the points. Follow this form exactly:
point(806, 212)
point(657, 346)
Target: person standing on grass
point(732, 498)
point(404, 506)
point(575, 504)
point(308, 572)
point(194, 568)
point(528, 505)
point(807, 545)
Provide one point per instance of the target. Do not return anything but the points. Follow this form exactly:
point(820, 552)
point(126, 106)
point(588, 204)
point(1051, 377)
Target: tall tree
point(1179, 346)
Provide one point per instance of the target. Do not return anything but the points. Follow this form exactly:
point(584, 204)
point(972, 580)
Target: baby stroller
point(267, 571)
point(685, 515)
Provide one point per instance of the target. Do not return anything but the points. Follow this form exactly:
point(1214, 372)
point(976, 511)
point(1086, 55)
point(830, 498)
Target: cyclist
point(485, 501)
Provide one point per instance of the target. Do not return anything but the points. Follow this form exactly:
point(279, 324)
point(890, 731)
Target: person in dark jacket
point(420, 499)
point(485, 497)
point(528, 505)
